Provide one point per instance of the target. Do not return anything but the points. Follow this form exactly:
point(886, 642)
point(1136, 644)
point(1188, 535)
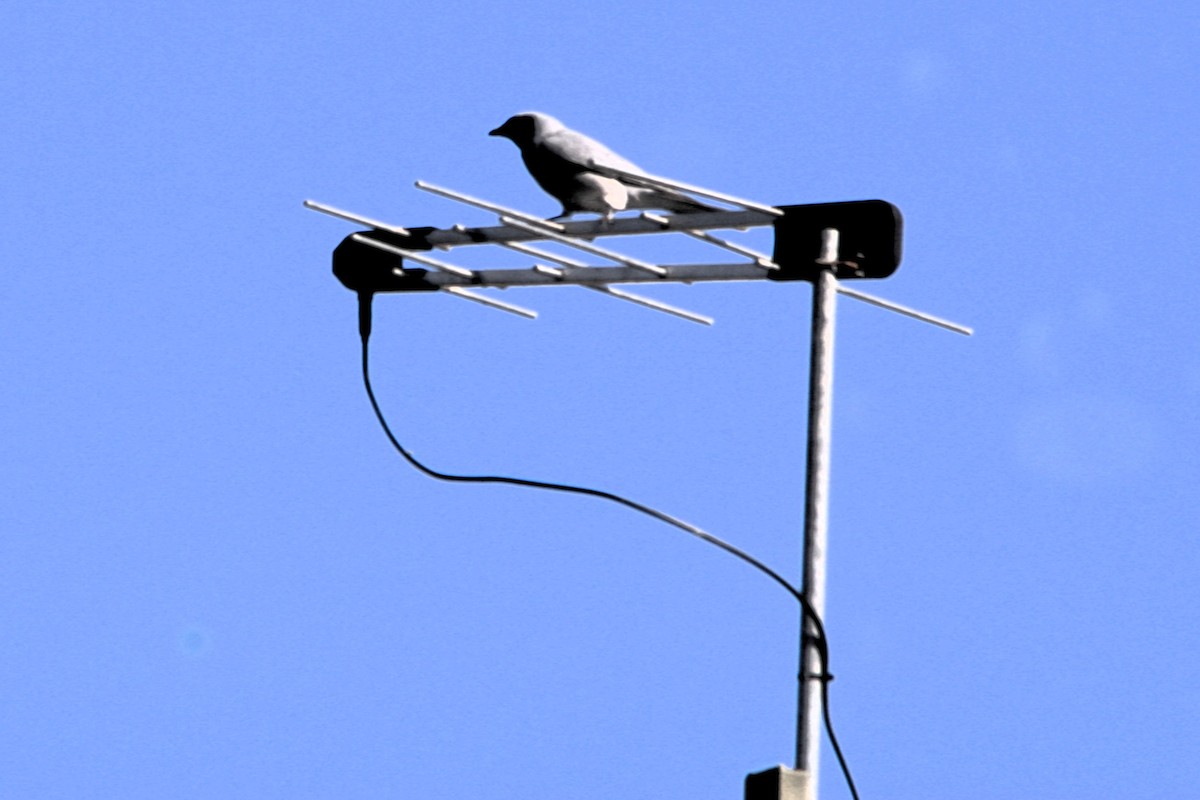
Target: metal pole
point(816, 510)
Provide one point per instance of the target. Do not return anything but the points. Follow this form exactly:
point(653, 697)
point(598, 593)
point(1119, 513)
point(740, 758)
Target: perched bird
point(557, 158)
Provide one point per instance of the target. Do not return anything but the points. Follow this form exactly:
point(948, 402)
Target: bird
point(558, 157)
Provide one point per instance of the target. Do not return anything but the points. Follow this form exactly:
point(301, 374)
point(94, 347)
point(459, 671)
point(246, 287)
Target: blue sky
point(217, 580)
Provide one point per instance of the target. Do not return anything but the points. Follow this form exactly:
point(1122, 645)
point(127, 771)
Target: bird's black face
point(519, 129)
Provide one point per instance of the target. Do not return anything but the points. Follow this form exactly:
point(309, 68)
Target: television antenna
point(822, 243)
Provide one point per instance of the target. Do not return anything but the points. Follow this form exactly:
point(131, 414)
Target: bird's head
point(523, 129)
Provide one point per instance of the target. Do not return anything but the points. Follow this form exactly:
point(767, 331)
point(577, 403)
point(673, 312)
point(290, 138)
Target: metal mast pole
point(816, 510)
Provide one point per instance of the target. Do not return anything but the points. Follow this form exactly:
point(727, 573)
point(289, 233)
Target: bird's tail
point(667, 201)
point(683, 204)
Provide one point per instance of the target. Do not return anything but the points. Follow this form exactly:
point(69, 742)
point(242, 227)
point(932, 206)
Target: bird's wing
point(577, 148)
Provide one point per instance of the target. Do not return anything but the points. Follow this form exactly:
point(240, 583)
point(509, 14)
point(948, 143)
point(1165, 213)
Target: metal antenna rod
point(412, 256)
point(462, 272)
point(350, 217)
point(816, 507)
point(458, 291)
point(572, 264)
point(905, 310)
point(467, 199)
point(585, 247)
point(762, 259)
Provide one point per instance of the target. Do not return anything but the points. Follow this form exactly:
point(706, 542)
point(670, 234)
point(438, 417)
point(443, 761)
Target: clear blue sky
point(217, 580)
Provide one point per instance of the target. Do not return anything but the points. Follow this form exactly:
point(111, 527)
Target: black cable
point(808, 611)
point(833, 741)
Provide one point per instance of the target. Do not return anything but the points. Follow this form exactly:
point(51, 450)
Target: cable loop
point(808, 611)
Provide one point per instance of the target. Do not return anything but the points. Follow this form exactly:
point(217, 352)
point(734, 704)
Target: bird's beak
point(496, 131)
